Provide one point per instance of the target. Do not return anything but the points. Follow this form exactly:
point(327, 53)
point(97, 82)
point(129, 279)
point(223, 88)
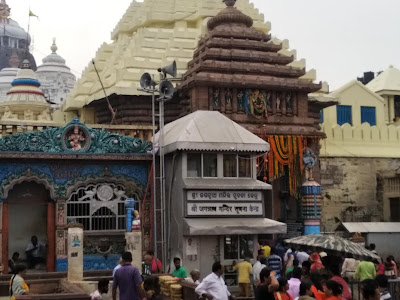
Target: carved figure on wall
point(216, 98)
point(76, 139)
point(9, 115)
point(257, 104)
point(60, 243)
point(45, 115)
point(136, 220)
point(278, 101)
point(309, 161)
point(239, 97)
point(61, 214)
point(28, 115)
point(268, 98)
point(289, 105)
point(228, 97)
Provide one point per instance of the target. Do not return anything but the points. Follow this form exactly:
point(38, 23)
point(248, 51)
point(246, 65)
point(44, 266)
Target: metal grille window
point(393, 185)
point(344, 114)
point(368, 115)
point(98, 206)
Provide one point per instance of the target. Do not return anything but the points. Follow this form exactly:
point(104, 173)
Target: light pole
point(166, 91)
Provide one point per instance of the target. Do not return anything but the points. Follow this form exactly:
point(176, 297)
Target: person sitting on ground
point(370, 290)
point(333, 290)
point(244, 269)
point(269, 284)
point(102, 288)
point(194, 277)
point(365, 270)
point(156, 265)
point(13, 262)
point(179, 271)
point(17, 282)
point(282, 293)
point(35, 252)
point(335, 270)
point(305, 291)
point(294, 282)
point(383, 286)
point(275, 262)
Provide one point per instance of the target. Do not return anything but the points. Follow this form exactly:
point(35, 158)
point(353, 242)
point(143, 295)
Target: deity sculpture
point(309, 161)
point(60, 215)
point(76, 139)
point(267, 96)
point(228, 97)
point(239, 98)
point(9, 115)
point(278, 101)
point(289, 101)
point(28, 115)
point(257, 104)
point(45, 115)
point(136, 220)
point(216, 98)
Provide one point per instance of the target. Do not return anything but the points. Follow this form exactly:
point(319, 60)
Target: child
point(383, 285)
point(102, 288)
point(282, 293)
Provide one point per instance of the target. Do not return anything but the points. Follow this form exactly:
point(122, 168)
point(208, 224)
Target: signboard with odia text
point(202, 203)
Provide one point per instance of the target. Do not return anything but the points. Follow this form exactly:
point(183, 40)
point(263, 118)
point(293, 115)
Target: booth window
point(368, 115)
point(238, 246)
point(210, 165)
point(230, 165)
point(344, 114)
point(245, 166)
point(194, 165)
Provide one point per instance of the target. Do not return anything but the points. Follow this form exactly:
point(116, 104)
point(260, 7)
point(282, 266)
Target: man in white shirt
point(35, 252)
point(302, 256)
point(213, 286)
point(257, 267)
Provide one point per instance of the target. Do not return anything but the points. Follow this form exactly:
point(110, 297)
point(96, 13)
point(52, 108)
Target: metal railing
point(394, 285)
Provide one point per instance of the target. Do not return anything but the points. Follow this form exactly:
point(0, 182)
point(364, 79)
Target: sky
point(341, 39)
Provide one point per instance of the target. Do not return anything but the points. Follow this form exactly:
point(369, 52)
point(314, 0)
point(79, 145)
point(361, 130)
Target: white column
point(391, 109)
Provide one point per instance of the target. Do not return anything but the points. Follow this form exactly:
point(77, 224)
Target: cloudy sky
point(339, 38)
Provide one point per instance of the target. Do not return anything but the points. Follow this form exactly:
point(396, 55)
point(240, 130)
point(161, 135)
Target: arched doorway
point(29, 211)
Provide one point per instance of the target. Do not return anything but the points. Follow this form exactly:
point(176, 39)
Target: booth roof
point(209, 131)
point(373, 227)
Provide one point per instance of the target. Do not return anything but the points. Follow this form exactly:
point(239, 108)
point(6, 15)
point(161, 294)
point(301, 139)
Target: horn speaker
point(170, 69)
point(146, 81)
point(166, 89)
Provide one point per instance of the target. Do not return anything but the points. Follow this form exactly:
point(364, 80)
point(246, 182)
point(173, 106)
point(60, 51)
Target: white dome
point(12, 29)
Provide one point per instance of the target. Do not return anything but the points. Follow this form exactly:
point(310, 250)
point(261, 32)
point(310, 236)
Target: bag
point(11, 285)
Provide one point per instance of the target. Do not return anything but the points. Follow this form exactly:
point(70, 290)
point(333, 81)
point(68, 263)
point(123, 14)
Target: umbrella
point(333, 243)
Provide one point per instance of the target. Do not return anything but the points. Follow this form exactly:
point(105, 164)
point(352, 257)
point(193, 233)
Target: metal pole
point(162, 180)
point(153, 100)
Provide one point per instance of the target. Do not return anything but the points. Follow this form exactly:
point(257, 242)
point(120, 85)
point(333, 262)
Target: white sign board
point(194, 195)
point(225, 209)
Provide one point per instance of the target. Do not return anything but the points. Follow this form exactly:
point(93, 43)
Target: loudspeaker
point(166, 89)
point(170, 69)
point(146, 81)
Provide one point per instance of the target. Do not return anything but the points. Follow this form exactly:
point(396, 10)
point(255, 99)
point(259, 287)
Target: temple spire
point(54, 47)
point(4, 11)
point(229, 2)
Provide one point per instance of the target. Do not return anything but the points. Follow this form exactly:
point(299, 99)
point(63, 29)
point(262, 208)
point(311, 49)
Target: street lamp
point(165, 91)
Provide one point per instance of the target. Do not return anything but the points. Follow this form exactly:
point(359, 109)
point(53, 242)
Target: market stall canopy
point(209, 131)
point(228, 226)
point(332, 243)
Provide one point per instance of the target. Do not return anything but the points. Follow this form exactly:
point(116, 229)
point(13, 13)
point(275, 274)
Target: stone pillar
point(311, 207)
point(134, 246)
point(75, 254)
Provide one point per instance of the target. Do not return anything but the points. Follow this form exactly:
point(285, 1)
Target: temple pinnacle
point(54, 47)
point(229, 2)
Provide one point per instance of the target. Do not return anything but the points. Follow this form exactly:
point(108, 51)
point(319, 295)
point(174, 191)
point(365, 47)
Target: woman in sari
point(17, 282)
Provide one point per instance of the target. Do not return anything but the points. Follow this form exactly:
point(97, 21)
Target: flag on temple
point(31, 14)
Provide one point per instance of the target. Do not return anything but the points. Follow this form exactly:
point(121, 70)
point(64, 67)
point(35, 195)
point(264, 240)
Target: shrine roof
point(210, 131)
point(388, 81)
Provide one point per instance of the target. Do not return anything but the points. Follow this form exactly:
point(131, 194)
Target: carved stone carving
point(28, 115)
point(216, 98)
point(45, 115)
point(9, 115)
point(106, 192)
point(240, 101)
point(289, 104)
point(309, 161)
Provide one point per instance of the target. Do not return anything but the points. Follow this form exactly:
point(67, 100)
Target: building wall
point(352, 190)
point(386, 243)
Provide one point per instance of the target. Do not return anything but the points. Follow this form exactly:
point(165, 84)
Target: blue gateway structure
point(56, 177)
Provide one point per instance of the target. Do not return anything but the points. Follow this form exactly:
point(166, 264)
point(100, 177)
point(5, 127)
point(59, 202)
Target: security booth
point(215, 206)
